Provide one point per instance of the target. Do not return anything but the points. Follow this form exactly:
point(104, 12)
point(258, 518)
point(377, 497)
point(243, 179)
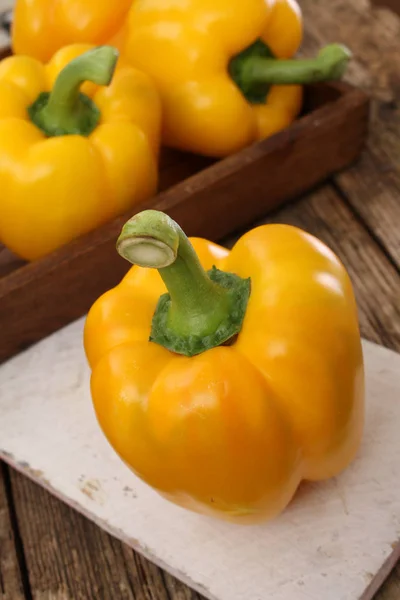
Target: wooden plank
point(373, 185)
point(393, 5)
point(69, 557)
point(391, 589)
point(11, 586)
point(213, 203)
point(45, 518)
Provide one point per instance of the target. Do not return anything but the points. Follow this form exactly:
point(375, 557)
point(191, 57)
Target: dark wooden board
point(394, 5)
point(207, 199)
point(55, 536)
point(11, 583)
point(373, 185)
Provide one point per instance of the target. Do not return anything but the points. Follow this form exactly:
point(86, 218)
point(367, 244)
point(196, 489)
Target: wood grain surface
point(11, 579)
point(64, 556)
point(71, 558)
point(372, 187)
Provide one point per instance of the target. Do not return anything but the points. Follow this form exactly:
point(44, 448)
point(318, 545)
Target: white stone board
point(337, 540)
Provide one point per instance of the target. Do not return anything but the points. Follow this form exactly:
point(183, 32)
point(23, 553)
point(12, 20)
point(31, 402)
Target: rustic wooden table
point(47, 551)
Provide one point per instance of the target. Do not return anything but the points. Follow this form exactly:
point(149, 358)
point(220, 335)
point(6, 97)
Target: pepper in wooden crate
point(72, 160)
point(233, 376)
point(214, 61)
point(41, 27)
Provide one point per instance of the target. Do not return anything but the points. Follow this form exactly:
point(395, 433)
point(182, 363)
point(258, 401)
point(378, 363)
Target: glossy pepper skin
point(231, 431)
point(42, 27)
point(187, 47)
point(58, 187)
point(217, 99)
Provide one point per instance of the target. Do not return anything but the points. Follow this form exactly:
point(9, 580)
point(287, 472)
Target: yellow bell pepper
point(41, 27)
point(233, 376)
point(214, 61)
point(71, 160)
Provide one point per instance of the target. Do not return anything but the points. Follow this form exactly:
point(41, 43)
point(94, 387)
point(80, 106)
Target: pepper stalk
point(202, 309)
point(255, 69)
point(65, 110)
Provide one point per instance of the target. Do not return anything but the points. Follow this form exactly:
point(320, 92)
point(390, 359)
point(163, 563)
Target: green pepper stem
point(197, 306)
point(330, 63)
point(254, 72)
point(152, 239)
point(65, 110)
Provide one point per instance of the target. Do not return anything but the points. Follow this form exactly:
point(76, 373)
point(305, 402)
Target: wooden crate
point(207, 198)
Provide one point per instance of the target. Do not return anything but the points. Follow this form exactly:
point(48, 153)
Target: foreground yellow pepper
point(226, 392)
point(70, 161)
point(214, 61)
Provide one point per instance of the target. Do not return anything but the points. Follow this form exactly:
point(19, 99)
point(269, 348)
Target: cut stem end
point(146, 252)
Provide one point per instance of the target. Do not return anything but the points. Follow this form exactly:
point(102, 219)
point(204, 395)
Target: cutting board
point(337, 541)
